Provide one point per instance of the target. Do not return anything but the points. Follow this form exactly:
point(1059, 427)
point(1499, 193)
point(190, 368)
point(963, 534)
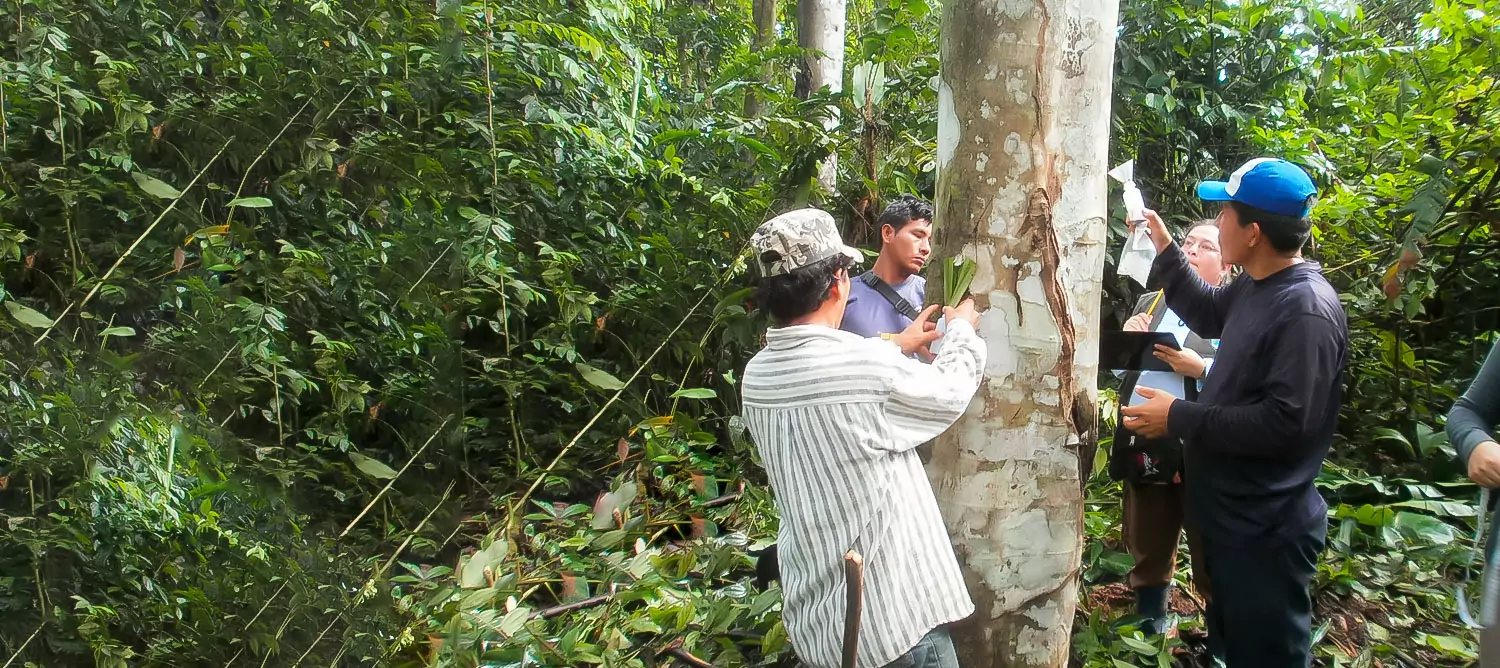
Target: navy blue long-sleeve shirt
point(1257, 436)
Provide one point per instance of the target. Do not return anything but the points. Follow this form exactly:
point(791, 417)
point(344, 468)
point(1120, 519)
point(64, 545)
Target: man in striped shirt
point(836, 418)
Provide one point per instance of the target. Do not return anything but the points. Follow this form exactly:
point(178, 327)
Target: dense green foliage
point(327, 323)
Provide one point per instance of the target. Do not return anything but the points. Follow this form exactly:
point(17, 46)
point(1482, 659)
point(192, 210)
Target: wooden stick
point(722, 501)
point(854, 595)
point(596, 601)
point(674, 649)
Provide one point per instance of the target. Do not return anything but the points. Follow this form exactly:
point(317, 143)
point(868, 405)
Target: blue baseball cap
point(1268, 184)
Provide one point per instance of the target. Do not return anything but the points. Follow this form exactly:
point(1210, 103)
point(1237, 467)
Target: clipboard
point(1132, 351)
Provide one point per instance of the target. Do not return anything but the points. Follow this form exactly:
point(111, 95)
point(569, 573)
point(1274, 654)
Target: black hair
point(803, 290)
point(1287, 234)
point(903, 211)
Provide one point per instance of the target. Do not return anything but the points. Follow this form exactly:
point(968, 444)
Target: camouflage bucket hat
point(796, 239)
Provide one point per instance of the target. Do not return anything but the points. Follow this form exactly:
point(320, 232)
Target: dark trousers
point(1152, 528)
point(1260, 614)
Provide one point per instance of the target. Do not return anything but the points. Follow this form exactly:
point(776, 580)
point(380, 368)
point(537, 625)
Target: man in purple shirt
point(885, 300)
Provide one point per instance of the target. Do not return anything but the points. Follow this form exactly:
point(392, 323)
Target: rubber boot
point(1151, 603)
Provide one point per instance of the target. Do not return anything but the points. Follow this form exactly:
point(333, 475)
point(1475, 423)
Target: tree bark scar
point(1086, 415)
point(1041, 67)
point(1047, 249)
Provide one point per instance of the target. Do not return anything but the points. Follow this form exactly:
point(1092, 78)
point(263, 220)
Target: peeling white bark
point(1023, 129)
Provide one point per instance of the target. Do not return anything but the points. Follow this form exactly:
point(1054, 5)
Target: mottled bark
point(820, 30)
point(1023, 129)
point(763, 16)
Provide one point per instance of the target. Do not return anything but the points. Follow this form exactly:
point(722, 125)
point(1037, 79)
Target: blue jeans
point(935, 650)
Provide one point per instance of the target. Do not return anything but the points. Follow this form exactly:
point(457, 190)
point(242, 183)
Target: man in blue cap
point(1256, 437)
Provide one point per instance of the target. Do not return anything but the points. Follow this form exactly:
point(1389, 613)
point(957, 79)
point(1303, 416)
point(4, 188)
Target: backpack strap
point(902, 306)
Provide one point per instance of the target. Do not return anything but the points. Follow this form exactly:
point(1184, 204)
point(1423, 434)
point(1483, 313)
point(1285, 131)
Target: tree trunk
point(763, 14)
point(1023, 133)
point(820, 29)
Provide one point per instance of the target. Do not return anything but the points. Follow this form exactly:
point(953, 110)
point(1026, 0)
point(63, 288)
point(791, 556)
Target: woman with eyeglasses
point(1151, 469)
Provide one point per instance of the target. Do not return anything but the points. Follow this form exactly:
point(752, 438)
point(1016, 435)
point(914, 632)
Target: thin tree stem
point(131, 249)
point(393, 480)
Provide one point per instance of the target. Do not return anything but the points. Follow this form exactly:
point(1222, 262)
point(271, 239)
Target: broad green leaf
point(472, 573)
point(1118, 563)
point(695, 393)
point(1140, 646)
point(1388, 434)
point(371, 467)
point(1450, 645)
point(1373, 516)
point(252, 202)
point(155, 187)
point(28, 316)
point(1424, 529)
point(775, 639)
point(118, 331)
point(514, 621)
point(609, 502)
point(479, 598)
point(1441, 508)
point(599, 378)
point(643, 625)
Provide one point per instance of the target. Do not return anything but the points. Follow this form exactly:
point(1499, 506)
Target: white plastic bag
point(1139, 251)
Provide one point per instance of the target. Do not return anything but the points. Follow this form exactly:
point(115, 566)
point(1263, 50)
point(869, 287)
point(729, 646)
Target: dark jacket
point(1257, 436)
point(1473, 418)
point(1127, 446)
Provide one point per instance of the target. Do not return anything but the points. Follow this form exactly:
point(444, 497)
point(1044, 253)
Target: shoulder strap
point(902, 306)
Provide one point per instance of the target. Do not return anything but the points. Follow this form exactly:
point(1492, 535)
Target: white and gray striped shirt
point(836, 418)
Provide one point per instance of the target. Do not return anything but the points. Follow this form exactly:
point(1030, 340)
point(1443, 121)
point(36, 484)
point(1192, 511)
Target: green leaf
point(1140, 646)
point(118, 331)
point(514, 622)
point(28, 316)
point(958, 275)
point(472, 572)
point(155, 187)
point(695, 393)
point(599, 378)
point(1369, 515)
point(372, 467)
point(1118, 563)
point(252, 202)
point(1440, 508)
point(1388, 434)
point(643, 625)
point(1424, 528)
point(1450, 645)
point(609, 502)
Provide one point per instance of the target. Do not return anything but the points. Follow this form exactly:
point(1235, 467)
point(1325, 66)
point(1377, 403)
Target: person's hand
point(919, 335)
point(964, 311)
point(1158, 229)
point(1185, 362)
point(1484, 464)
point(1149, 419)
point(1139, 322)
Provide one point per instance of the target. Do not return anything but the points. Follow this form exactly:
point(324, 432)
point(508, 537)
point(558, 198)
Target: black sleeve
point(1478, 410)
point(1303, 360)
point(1203, 307)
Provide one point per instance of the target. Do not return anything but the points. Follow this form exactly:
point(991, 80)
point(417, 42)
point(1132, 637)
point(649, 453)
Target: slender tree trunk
point(763, 14)
point(820, 29)
point(1023, 132)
